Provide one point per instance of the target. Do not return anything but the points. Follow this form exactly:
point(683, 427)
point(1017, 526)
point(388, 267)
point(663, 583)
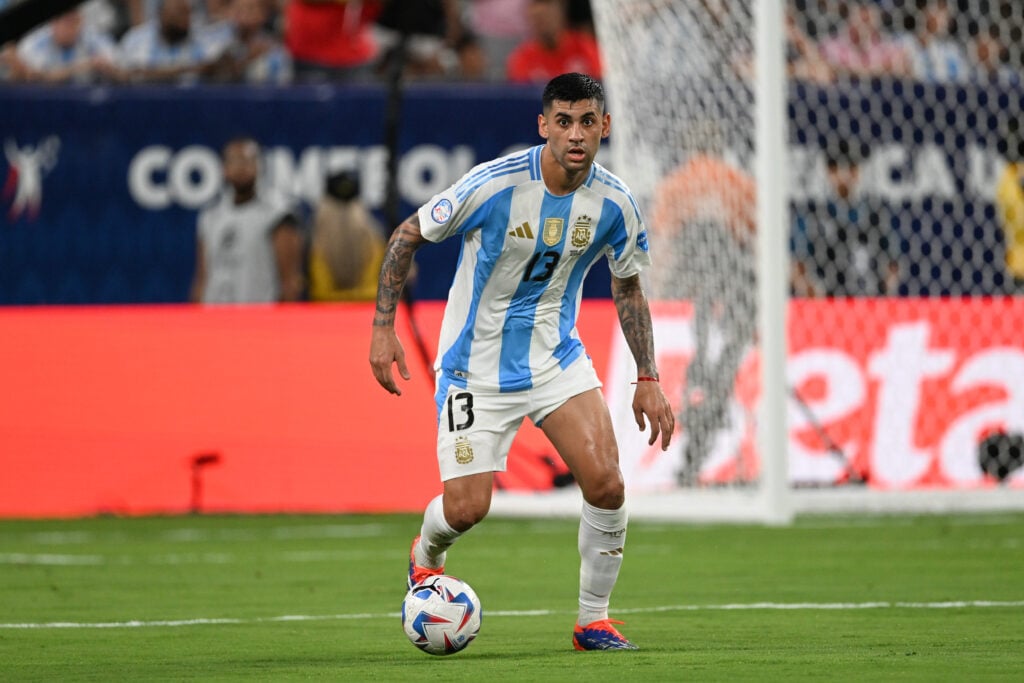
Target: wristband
point(645, 379)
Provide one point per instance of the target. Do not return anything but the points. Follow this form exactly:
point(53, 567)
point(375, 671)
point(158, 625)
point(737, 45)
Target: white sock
point(436, 536)
point(601, 540)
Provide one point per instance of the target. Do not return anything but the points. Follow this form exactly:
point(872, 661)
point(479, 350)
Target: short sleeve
point(440, 217)
point(447, 213)
point(629, 251)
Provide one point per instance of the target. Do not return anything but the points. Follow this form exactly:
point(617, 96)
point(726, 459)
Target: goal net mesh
point(905, 229)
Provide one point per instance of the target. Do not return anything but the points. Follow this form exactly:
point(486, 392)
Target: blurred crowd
point(295, 41)
point(932, 41)
point(303, 41)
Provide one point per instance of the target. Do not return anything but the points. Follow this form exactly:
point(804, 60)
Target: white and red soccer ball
point(441, 615)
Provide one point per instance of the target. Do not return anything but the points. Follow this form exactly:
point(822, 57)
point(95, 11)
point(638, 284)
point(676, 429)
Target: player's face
point(574, 131)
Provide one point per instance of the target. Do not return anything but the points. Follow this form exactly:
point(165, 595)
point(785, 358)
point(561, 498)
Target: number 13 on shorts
point(460, 411)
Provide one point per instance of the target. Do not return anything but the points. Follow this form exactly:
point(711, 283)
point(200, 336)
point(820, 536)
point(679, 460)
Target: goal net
point(857, 338)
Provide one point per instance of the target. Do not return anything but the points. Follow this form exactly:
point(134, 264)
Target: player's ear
point(542, 126)
point(606, 125)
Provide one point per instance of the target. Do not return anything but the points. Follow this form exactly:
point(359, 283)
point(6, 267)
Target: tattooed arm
point(635, 320)
point(385, 348)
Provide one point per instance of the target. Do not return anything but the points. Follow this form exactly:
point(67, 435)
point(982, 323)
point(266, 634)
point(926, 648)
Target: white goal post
point(652, 105)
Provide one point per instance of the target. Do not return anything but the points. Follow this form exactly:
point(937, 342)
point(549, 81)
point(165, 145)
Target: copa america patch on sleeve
point(442, 211)
point(641, 240)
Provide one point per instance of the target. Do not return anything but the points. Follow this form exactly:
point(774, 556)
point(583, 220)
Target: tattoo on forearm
point(395, 270)
point(635, 320)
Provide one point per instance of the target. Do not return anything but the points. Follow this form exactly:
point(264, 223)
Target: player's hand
point(385, 349)
point(650, 401)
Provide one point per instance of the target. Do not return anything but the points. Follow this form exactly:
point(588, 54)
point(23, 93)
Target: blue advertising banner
point(100, 187)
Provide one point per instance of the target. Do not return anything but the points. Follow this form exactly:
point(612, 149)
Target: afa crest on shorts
point(463, 451)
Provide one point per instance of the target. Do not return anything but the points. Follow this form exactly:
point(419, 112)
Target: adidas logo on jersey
point(523, 231)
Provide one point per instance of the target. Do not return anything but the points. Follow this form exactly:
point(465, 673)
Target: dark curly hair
point(572, 87)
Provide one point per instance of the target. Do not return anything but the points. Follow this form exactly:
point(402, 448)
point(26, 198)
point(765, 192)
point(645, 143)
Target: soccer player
point(531, 224)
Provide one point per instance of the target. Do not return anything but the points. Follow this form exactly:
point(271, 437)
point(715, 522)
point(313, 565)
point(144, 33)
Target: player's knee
point(607, 493)
point(467, 511)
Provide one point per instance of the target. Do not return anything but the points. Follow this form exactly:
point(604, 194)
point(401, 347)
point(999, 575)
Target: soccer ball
point(441, 615)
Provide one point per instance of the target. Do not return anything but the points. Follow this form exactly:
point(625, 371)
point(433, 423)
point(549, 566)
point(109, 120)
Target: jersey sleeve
point(629, 254)
point(449, 212)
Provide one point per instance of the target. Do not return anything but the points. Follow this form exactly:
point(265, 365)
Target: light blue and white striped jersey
point(40, 52)
point(510, 321)
point(142, 47)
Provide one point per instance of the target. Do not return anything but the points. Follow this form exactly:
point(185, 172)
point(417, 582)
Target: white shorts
point(475, 429)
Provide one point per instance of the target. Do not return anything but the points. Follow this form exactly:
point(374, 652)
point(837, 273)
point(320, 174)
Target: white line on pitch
point(50, 559)
point(55, 559)
point(205, 533)
point(952, 604)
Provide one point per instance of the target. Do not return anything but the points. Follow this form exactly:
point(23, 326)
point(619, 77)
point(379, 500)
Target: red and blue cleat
point(600, 635)
point(417, 573)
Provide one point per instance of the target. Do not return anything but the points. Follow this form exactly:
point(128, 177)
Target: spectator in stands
point(471, 59)
point(935, 56)
point(860, 48)
point(804, 61)
point(988, 53)
point(1010, 204)
point(552, 47)
point(844, 246)
point(105, 16)
point(332, 40)
point(167, 49)
point(10, 66)
point(248, 52)
point(66, 51)
point(581, 16)
point(223, 10)
point(422, 34)
point(203, 11)
point(501, 25)
point(249, 242)
point(347, 246)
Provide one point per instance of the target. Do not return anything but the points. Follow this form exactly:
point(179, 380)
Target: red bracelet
point(645, 379)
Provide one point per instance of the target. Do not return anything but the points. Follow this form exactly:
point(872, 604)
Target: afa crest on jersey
point(581, 232)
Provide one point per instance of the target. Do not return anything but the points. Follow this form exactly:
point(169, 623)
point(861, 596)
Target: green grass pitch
point(317, 598)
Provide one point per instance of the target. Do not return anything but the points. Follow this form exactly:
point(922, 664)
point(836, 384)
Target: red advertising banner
point(166, 409)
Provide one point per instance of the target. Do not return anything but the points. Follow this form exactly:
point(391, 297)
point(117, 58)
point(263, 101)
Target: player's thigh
point(581, 430)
